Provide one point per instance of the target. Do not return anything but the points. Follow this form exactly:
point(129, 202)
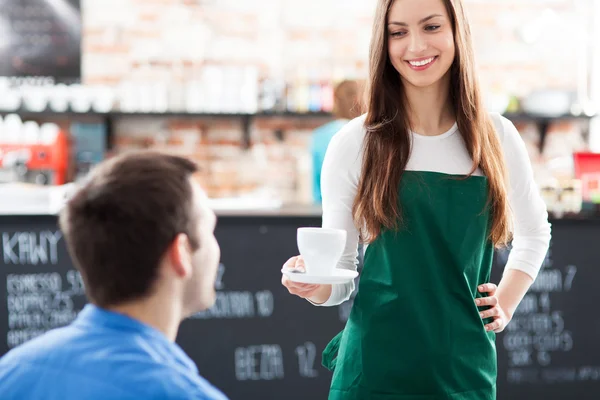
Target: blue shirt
point(102, 355)
point(320, 140)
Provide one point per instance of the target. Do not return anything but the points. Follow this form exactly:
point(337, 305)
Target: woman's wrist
point(321, 295)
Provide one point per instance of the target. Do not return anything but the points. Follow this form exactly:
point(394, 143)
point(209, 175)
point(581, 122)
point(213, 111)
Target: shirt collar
point(92, 315)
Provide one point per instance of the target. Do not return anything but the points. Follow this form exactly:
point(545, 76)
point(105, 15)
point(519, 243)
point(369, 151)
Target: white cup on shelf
point(30, 132)
point(59, 98)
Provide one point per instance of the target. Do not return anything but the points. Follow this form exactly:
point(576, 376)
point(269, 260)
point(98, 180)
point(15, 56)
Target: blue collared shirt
point(102, 355)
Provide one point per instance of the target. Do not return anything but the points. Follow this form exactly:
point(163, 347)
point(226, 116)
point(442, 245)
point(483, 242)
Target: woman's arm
point(339, 182)
point(532, 232)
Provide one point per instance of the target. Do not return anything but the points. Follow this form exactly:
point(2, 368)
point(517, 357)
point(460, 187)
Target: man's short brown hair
point(119, 224)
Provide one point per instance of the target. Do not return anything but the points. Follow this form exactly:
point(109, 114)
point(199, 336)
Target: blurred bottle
point(268, 95)
point(301, 91)
point(314, 95)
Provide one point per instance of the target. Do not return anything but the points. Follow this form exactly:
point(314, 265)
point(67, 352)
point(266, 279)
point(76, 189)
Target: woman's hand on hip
point(495, 310)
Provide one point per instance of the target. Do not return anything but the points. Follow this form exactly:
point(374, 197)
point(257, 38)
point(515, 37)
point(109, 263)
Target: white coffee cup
point(321, 249)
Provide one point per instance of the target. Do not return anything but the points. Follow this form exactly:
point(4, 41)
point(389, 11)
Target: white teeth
point(422, 62)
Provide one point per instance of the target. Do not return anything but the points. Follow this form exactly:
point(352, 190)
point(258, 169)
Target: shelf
point(246, 118)
point(120, 114)
point(108, 118)
point(520, 116)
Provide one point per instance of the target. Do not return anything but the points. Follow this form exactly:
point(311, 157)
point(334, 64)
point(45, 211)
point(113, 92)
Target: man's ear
point(180, 256)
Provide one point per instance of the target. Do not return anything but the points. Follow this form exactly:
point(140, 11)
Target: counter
point(259, 342)
point(290, 210)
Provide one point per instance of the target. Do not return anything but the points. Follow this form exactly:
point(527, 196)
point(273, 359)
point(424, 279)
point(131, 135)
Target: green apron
point(414, 332)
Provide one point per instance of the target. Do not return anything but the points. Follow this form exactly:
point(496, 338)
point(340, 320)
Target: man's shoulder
point(44, 346)
point(37, 361)
point(176, 384)
point(127, 380)
point(127, 365)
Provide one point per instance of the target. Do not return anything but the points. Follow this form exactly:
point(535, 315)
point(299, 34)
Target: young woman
point(431, 182)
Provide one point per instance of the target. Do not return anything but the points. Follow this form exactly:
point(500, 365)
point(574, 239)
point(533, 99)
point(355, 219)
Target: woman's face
point(420, 41)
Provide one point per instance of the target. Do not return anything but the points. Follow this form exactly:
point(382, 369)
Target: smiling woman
point(422, 59)
point(420, 45)
point(431, 182)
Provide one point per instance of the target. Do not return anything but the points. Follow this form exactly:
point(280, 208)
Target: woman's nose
point(418, 43)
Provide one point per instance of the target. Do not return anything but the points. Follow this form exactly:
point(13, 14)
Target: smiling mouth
point(423, 62)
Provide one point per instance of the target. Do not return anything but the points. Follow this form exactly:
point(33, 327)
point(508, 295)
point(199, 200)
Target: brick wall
point(520, 45)
point(327, 36)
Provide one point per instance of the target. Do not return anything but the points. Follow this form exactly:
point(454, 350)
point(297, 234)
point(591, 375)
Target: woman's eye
point(432, 27)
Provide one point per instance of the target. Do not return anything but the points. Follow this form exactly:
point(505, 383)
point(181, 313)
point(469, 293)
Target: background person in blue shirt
point(140, 232)
point(345, 108)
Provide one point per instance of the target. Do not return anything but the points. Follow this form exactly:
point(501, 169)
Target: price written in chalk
point(37, 303)
point(265, 362)
point(539, 330)
point(554, 375)
point(261, 362)
point(237, 304)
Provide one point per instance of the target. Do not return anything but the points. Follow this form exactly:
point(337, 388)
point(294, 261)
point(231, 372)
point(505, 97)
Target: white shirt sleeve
point(339, 182)
point(532, 232)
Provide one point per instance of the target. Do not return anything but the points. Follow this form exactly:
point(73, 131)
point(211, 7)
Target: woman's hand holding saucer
point(317, 293)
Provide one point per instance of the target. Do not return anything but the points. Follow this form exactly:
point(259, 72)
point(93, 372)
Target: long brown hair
point(387, 142)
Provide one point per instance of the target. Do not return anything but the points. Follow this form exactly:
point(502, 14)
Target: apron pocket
point(330, 353)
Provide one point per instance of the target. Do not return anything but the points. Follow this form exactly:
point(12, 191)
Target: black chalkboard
point(259, 342)
point(551, 349)
point(273, 349)
point(39, 287)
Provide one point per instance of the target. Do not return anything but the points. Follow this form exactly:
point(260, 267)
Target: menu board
point(39, 287)
point(258, 341)
point(551, 348)
point(41, 38)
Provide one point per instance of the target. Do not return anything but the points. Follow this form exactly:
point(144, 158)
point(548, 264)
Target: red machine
point(44, 162)
point(587, 169)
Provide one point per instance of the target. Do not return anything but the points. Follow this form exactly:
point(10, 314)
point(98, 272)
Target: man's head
point(139, 225)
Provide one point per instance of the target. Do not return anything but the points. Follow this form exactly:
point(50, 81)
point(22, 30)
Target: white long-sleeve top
point(445, 153)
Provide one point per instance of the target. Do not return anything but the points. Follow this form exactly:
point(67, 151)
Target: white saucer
point(339, 276)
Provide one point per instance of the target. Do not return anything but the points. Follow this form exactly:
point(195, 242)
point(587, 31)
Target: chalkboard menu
point(40, 289)
point(256, 342)
point(41, 38)
point(259, 342)
point(551, 348)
